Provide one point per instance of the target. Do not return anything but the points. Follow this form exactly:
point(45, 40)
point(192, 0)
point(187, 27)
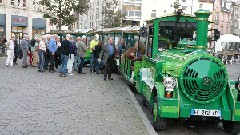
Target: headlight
point(169, 83)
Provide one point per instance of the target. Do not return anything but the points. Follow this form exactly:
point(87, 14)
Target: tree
point(61, 12)
point(176, 6)
point(112, 17)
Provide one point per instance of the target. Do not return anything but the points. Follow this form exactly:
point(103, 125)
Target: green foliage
point(112, 17)
point(176, 6)
point(62, 12)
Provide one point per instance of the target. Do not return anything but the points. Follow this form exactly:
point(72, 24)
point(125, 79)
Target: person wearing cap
point(82, 53)
point(93, 43)
point(10, 51)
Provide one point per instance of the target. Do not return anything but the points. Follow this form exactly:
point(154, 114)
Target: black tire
point(144, 100)
point(160, 123)
point(231, 127)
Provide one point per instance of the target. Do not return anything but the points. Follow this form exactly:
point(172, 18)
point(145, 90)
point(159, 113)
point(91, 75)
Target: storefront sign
point(2, 19)
point(19, 21)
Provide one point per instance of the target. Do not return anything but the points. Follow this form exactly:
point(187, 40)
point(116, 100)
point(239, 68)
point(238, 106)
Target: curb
point(141, 114)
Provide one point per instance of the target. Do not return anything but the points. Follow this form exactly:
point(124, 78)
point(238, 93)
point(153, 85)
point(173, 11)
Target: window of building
point(183, 0)
point(12, 2)
point(43, 8)
point(24, 3)
point(221, 29)
point(1, 1)
point(34, 4)
point(200, 6)
point(97, 3)
point(153, 14)
point(222, 17)
point(19, 3)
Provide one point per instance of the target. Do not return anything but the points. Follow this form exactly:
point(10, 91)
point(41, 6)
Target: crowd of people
point(49, 53)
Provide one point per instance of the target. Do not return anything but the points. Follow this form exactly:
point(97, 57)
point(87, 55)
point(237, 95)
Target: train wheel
point(158, 122)
point(231, 127)
point(144, 101)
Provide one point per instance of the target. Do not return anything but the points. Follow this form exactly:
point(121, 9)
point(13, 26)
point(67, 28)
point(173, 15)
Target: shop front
point(2, 27)
point(18, 26)
point(38, 26)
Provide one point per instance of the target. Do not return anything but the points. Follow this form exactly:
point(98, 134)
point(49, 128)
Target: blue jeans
point(80, 66)
point(91, 61)
point(96, 65)
point(76, 62)
point(46, 61)
point(64, 59)
point(41, 60)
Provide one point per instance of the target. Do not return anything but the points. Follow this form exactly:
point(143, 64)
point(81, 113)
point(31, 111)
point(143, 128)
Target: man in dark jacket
point(65, 50)
point(96, 52)
point(16, 52)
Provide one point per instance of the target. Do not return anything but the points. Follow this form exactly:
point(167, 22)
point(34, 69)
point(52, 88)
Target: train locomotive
point(178, 78)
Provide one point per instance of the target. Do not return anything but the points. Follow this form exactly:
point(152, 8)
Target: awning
point(19, 20)
point(39, 23)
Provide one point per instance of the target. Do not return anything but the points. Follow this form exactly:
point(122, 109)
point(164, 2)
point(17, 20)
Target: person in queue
point(10, 51)
point(93, 43)
point(34, 52)
point(52, 49)
point(65, 51)
point(108, 55)
point(41, 51)
point(24, 47)
point(82, 53)
point(97, 51)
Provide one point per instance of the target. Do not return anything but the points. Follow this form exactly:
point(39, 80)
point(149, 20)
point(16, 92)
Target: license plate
point(204, 112)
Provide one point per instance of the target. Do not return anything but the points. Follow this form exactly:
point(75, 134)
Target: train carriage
point(178, 79)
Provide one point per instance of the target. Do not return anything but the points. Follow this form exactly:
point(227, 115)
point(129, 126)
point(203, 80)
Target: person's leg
point(8, 57)
point(11, 57)
point(96, 66)
point(91, 62)
point(15, 59)
point(71, 63)
point(105, 71)
point(56, 61)
point(34, 62)
point(51, 67)
point(24, 62)
point(30, 58)
point(64, 64)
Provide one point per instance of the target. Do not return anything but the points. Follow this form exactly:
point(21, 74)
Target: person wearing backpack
point(10, 51)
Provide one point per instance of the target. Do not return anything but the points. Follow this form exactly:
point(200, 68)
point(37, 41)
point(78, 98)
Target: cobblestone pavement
point(43, 103)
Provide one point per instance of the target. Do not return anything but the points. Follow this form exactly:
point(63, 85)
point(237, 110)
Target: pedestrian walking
point(24, 47)
point(82, 53)
point(65, 50)
point(93, 43)
point(108, 54)
point(10, 51)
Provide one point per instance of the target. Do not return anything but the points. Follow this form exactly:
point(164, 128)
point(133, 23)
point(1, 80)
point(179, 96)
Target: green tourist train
point(177, 77)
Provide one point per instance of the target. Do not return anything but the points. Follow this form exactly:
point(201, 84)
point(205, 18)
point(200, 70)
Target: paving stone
point(43, 103)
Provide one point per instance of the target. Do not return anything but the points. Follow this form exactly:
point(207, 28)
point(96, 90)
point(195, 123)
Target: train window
point(175, 31)
point(149, 46)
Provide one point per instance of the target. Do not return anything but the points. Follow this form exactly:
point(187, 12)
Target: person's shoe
point(91, 71)
point(70, 74)
point(104, 78)
point(60, 75)
point(24, 66)
point(51, 71)
point(82, 73)
point(15, 63)
point(97, 73)
point(110, 78)
point(64, 75)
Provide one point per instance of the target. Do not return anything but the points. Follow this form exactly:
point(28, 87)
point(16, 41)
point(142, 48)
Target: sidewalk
point(43, 103)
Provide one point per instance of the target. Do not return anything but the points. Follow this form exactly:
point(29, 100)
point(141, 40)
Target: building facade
point(235, 18)
point(18, 17)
